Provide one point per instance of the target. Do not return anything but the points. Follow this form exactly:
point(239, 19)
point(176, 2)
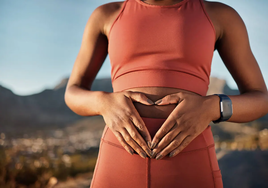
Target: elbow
point(266, 103)
point(67, 99)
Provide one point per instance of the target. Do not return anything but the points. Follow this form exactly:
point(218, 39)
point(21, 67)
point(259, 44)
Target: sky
point(39, 41)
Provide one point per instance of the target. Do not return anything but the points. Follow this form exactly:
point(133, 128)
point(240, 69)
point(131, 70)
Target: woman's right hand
point(121, 116)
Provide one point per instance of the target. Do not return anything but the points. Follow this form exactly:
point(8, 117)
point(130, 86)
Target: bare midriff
point(156, 93)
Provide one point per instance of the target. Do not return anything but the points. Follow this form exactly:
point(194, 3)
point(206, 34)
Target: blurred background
point(44, 144)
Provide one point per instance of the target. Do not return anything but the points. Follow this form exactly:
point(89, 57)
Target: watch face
point(227, 109)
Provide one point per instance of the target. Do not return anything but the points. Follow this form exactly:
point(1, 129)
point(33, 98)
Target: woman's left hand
point(191, 116)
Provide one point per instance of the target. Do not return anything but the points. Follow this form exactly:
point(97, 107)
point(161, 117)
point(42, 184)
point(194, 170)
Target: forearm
point(82, 101)
point(247, 107)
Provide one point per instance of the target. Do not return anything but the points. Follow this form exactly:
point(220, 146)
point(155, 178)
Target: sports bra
point(161, 46)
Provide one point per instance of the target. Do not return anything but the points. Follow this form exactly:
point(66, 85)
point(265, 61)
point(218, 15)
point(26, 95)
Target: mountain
point(47, 109)
point(219, 86)
point(39, 111)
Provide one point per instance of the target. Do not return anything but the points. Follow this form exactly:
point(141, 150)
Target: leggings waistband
point(203, 140)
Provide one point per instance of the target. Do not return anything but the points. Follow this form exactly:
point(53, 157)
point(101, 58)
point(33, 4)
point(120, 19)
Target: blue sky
point(39, 40)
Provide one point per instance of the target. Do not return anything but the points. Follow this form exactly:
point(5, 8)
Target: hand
point(121, 116)
point(191, 116)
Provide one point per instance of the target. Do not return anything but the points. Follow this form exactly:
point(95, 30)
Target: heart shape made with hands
point(190, 118)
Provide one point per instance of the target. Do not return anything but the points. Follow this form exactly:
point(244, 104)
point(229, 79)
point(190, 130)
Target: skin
point(187, 113)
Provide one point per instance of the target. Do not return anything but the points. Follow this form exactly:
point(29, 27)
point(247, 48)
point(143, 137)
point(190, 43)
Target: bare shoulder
point(106, 13)
point(223, 15)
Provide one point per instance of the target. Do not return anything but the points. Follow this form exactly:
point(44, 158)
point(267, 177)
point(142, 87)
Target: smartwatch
point(226, 108)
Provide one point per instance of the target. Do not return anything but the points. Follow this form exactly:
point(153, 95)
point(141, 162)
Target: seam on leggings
point(147, 173)
point(121, 147)
point(204, 137)
point(97, 166)
point(113, 144)
point(211, 168)
point(105, 133)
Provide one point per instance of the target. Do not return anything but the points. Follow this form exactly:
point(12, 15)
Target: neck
point(161, 2)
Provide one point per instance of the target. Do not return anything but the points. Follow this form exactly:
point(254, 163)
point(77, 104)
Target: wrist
point(100, 101)
point(213, 104)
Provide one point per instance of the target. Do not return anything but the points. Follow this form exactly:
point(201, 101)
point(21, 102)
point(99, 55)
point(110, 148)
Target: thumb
point(141, 98)
point(169, 99)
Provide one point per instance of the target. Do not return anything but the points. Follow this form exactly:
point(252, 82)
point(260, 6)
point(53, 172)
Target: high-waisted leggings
point(196, 166)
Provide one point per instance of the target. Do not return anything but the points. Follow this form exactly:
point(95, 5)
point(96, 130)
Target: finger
point(132, 143)
point(169, 99)
point(166, 140)
point(136, 136)
point(123, 142)
point(139, 123)
point(164, 129)
point(140, 97)
point(175, 151)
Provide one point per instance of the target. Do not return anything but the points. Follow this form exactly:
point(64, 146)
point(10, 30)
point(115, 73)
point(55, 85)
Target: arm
point(193, 113)
point(90, 58)
point(234, 49)
point(117, 109)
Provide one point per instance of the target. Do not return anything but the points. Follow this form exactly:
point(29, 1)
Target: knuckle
point(127, 138)
point(164, 130)
point(128, 93)
point(134, 135)
point(113, 126)
point(168, 138)
point(185, 143)
point(175, 143)
point(120, 139)
point(143, 145)
point(139, 95)
point(140, 126)
point(167, 97)
point(128, 113)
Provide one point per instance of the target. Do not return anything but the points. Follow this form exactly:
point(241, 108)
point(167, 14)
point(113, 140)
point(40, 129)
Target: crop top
point(161, 46)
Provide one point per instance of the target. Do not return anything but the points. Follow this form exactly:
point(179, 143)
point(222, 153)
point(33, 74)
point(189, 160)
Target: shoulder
point(110, 7)
point(105, 14)
point(220, 8)
point(224, 15)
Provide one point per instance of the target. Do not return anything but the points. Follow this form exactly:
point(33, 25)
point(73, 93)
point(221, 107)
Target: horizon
point(58, 83)
point(39, 42)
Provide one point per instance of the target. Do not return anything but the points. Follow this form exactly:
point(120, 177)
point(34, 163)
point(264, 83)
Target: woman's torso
point(155, 93)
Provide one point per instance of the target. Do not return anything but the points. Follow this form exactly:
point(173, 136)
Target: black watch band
point(226, 108)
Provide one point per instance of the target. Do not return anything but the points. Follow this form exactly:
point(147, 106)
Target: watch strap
point(226, 109)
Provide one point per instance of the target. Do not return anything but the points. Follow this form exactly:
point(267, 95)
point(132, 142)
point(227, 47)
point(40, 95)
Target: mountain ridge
point(48, 109)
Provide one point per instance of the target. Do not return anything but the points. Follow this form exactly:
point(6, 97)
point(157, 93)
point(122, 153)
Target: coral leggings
point(196, 166)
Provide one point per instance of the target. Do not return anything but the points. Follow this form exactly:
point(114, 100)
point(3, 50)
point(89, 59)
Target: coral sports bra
point(162, 46)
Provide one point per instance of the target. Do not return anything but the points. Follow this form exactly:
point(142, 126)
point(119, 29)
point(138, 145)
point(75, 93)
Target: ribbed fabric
point(164, 46)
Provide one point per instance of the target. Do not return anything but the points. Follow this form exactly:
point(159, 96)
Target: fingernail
point(153, 145)
point(159, 101)
point(149, 101)
point(158, 156)
point(171, 154)
point(149, 151)
point(143, 155)
point(153, 153)
point(149, 144)
point(131, 152)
